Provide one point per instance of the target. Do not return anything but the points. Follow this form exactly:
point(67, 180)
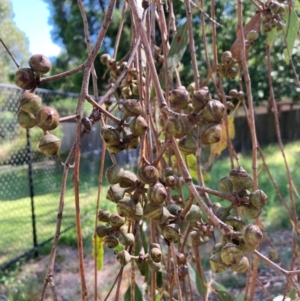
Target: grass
point(15, 205)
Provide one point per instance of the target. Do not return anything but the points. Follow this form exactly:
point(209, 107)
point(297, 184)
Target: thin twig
point(12, 57)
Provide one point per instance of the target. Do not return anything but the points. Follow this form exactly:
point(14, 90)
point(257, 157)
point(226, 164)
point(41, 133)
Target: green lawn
point(15, 204)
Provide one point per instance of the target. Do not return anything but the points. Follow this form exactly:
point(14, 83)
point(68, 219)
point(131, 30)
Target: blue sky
point(32, 17)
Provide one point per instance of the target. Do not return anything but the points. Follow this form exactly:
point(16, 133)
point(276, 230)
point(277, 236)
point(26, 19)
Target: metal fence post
point(31, 190)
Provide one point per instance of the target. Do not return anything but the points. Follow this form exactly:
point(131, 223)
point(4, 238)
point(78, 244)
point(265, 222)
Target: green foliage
point(14, 39)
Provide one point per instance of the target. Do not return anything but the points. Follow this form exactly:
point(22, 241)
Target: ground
point(68, 283)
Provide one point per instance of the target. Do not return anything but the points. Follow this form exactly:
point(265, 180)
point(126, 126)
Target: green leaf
point(271, 36)
point(100, 251)
point(159, 279)
point(138, 296)
point(178, 47)
point(201, 285)
point(290, 31)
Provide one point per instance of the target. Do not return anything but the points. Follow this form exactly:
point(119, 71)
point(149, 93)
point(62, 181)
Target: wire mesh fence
point(30, 182)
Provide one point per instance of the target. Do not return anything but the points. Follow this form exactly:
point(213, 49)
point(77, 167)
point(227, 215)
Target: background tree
point(14, 39)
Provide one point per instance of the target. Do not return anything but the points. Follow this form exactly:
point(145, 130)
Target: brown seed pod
point(252, 235)
point(176, 127)
point(211, 133)
point(231, 254)
point(138, 126)
point(102, 230)
point(171, 232)
point(179, 99)
point(258, 198)
point(172, 182)
point(216, 263)
point(30, 103)
point(153, 266)
point(111, 241)
point(116, 220)
point(194, 214)
point(155, 254)
point(131, 142)
point(157, 194)
point(115, 193)
point(47, 118)
point(50, 145)
point(225, 185)
point(132, 107)
point(40, 64)
point(188, 144)
point(114, 173)
point(221, 212)
point(110, 135)
point(235, 222)
point(250, 211)
point(242, 266)
point(104, 58)
point(200, 99)
point(217, 248)
point(153, 212)
point(213, 111)
point(225, 55)
point(127, 239)
point(240, 179)
point(181, 258)
point(183, 272)
point(128, 208)
point(197, 239)
point(123, 257)
point(234, 93)
point(26, 120)
point(128, 179)
point(148, 174)
point(103, 216)
point(25, 78)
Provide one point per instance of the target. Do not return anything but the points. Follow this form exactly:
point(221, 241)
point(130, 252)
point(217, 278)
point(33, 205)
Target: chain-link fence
point(30, 182)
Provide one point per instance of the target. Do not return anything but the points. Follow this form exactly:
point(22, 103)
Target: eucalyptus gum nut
point(166, 215)
point(191, 88)
point(101, 230)
point(127, 239)
point(40, 63)
point(199, 99)
point(26, 120)
point(148, 174)
point(157, 194)
point(250, 211)
point(132, 107)
point(111, 241)
point(47, 118)
point(213, 111)
point(234, 93)
point(128, 179)
point(103, 216)
point(243, 246)
point(181, 258)
point(153, 212)
point(225, 55)
point(25, 78)
point(188, 144)
point(197, 239)
point(252, 35)
point(194, 214)
point(154, 266)
point(235, 222)
point(116, 220)
point(179, 99)
point(183, 271)
point(183, 225)
point(216, 263)
point(126, 207)
point(242, 266)
point(168, 171)
point(131, 142)
point(30, 103)
point(115, 193)
point(240, 179)
point(258, 198)
point(123, 257)
point(176, 127)
point(50, 145)
point(171, 232)
point(211, 133)
point(104, 58)
point(155, 254)
point(217, 248)
point(273, 255)
point(225, 185)
point(110, 135)
point(171, 181)
point(115, 149)
point(231, 254)
point(174, 209)
point(252, 235)
point(138, 126)
point(221, 212)
point(113, 173)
